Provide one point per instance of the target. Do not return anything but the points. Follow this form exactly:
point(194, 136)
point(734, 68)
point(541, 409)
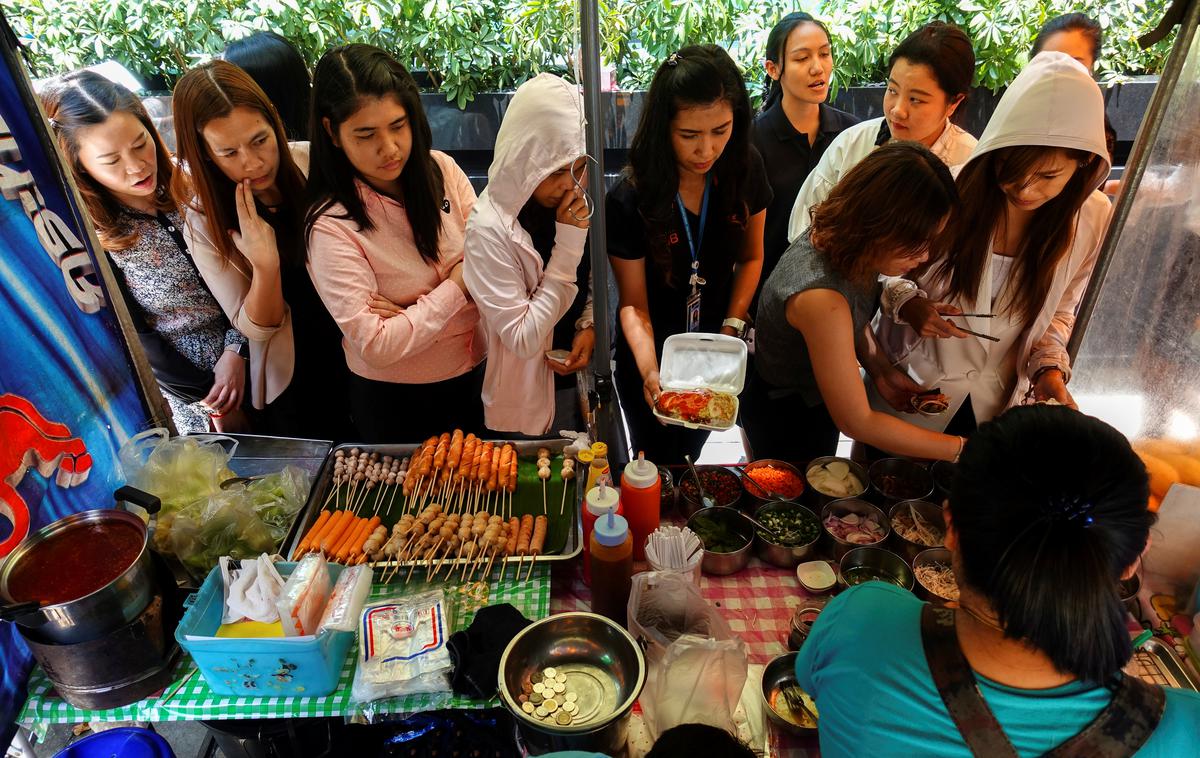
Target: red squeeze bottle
point(599, 501)
point(641, 494)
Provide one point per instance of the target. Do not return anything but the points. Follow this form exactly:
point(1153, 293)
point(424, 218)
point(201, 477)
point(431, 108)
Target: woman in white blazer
point(1020, 247)
point(523, 249)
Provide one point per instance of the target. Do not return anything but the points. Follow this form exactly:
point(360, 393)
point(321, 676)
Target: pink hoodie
point(520, 301)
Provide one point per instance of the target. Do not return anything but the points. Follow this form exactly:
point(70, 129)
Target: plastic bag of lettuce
point(199, 521)
point(243, 521)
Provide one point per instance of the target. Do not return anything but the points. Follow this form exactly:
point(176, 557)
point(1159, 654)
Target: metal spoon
point(707, 501)
point(770, 532)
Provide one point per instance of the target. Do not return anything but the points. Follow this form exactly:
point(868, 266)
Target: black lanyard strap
point(1118, 731)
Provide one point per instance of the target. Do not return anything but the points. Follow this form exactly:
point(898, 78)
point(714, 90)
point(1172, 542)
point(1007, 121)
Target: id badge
point(693, 311)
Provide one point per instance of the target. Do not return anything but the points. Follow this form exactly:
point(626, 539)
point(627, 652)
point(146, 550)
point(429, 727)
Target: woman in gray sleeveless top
point(812, 324)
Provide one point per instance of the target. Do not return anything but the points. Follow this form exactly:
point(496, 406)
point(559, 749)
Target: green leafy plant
point(468, 48)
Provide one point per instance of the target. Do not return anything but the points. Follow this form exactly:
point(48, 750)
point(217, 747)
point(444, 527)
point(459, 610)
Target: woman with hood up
point(1019, 250)
point(524, 256)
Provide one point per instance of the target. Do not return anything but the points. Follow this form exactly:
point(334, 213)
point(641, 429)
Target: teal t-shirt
point(865, 667)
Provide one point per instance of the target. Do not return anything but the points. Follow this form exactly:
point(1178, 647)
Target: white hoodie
point(1053, 101)
point(519, 302)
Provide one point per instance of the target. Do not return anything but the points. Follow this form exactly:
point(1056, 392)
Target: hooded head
point(541, 133)
point(1042, 154)
point(1053, 102)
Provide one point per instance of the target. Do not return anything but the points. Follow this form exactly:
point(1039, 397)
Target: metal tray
point(1155, 662)
point(320, 491)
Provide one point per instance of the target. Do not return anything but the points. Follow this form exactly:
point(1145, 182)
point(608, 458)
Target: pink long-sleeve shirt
point(438, 336)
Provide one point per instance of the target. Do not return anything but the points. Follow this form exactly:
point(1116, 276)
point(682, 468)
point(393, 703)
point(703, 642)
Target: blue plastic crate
point(275, 667)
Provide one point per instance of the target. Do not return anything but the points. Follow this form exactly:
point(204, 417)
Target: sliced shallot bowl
point(852, 522)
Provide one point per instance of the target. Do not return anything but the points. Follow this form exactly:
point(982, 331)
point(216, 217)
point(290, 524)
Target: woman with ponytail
point(796, 124)
point(1046, 515)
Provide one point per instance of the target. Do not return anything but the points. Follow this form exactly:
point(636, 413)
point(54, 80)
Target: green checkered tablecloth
point(188, 698)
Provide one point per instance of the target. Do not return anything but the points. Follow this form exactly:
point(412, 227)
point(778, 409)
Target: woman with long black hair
point(385, 232)
point(685, 229)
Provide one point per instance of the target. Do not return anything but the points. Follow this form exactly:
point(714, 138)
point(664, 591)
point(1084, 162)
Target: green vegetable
point(716, 536)
point(793, 527)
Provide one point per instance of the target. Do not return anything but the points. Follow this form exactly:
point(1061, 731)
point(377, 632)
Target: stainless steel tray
point(1155, 662)
point(572, 547)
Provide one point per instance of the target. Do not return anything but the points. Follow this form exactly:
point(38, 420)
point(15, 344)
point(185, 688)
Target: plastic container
point(126, 742)
point(598, 465)
point(611, 555)
point(699, 360)
point(273, 667)
point(641, 495)
point(596, 503)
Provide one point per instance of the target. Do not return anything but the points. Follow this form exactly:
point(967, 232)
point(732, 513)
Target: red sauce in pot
point(75, 563)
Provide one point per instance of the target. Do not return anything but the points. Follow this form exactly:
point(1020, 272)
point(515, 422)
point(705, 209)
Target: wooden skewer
point(529, 571)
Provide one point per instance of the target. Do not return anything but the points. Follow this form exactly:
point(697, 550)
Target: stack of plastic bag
point(402, 647)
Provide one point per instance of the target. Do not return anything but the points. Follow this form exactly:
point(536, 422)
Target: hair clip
point(1071, 509)
point(673, 59)
point(53, 123)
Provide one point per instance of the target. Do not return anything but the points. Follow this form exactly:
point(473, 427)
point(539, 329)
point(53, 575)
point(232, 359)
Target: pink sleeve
point(344, 279)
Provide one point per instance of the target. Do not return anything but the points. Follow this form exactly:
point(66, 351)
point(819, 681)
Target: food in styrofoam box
point(346, 602)
point(700, 376)
point(402, 647)
point(700, 406)
point(304, 596)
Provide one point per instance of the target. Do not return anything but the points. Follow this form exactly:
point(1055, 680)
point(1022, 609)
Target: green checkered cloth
point(188, 698)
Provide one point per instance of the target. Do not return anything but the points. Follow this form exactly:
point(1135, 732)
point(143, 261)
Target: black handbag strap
point(1118, 731)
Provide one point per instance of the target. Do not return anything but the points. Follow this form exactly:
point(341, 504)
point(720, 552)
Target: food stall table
point(189, 698)
point(758, 603)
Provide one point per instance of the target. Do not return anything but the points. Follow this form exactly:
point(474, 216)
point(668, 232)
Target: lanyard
point(694, 246)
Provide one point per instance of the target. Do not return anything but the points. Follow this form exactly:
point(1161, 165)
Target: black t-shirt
point(539, 222)
point(629, 239)
point(789, 160)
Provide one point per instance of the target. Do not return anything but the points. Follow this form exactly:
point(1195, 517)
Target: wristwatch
point(736, 324)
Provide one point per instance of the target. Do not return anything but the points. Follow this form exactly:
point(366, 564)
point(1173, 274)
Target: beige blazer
point(272, 351)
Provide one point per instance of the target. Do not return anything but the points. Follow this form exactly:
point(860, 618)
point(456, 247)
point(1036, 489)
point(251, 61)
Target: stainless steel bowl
point(878, 560)
point(602, 665)
point(838, 546)
point(932, 555)
point(943, 479)
point(929, 512)
point(817, 499)
point(689, 505)
point(913, 480)
point(785, 556)
point(753, 493)
point(780, 673)
point(722, 564)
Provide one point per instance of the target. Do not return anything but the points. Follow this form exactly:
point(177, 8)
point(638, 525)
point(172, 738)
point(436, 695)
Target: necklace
point(980, 618)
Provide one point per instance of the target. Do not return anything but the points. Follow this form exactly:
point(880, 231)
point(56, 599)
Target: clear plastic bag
point(242, 521)
point(345, 604)
point(304, 596)
point(177, 470)
point(402, 647)
point(695, 665)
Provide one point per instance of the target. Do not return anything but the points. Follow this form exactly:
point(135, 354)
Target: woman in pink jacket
point(524, 258)
point(385, 237)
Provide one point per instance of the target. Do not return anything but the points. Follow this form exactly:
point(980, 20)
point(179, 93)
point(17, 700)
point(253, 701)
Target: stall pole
point(1147, 136)
point(607, 417)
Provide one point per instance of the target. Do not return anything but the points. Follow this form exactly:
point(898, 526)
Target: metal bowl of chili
point(721, 484)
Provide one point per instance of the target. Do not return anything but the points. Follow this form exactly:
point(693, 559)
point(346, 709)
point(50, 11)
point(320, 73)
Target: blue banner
point(69, 395)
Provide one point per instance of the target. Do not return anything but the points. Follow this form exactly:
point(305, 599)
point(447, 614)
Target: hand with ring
point(573, 209)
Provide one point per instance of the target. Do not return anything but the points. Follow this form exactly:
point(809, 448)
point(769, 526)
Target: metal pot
point(838, 546)
point(897, 479)
point(596, 660)
point(785, 556)
point(815, 498)
point(723, 564)
point(930, 512)
point(104, 610)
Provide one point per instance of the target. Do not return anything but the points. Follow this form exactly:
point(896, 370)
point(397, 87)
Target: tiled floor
point(726, 447)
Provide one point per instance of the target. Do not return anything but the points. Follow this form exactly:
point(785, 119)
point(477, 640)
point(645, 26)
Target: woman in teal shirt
point(1047, 513)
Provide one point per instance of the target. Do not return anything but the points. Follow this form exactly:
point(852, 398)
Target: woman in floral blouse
point(123, 171)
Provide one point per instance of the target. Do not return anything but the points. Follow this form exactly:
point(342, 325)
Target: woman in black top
point(691, 162)
point(796, 124)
